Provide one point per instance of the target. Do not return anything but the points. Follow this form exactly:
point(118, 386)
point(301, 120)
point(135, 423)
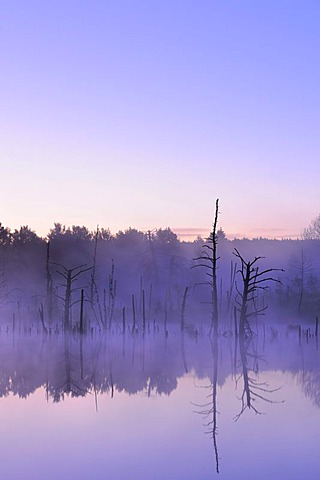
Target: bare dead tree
point(4, 292)
point(303, 266)
point(209, 260)
point(93, 273)
point(70, 275)
point(103, 308)
point(233, 271)
point(133, 313)
point(81, 312)
point(112, 295)
point(49, 284)
point(143, 313)
point(41, 316)
point(183, 307)
point(252, 280)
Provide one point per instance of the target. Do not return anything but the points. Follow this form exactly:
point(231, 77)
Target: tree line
point(134, 278)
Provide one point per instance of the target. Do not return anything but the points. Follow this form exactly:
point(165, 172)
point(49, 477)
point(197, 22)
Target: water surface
point(175, 406)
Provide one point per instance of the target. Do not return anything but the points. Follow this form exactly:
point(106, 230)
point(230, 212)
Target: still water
point(160, 407)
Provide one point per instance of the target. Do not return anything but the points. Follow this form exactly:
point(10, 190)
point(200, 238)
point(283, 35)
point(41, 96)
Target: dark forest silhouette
point(136, 278)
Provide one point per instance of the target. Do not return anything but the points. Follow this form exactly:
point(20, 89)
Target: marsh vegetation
point(207, 337)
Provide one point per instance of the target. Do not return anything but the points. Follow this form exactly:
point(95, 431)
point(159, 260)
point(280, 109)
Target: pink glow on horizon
point(148, 121)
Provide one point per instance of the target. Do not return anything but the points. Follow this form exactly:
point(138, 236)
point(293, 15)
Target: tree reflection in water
point(208, 410)
point(247, 362)
point(253, 389)
point(76, 365)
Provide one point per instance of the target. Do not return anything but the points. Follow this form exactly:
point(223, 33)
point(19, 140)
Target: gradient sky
point(141, 113)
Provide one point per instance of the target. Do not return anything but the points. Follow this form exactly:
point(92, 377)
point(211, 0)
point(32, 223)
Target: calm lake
point(159, 406)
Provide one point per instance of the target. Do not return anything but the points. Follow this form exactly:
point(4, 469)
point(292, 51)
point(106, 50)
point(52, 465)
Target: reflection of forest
point(310, 382)
point(75, 365)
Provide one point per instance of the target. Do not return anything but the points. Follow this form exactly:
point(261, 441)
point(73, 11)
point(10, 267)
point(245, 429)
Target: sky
point(140, 113)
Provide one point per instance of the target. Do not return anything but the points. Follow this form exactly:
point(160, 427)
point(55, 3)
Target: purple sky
point(141, 113)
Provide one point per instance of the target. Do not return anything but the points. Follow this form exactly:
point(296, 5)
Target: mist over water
point(117, 359)
point(175, 405)
point(135, 272)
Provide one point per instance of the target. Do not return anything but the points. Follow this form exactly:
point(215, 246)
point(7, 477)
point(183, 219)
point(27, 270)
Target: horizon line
point(183, 233)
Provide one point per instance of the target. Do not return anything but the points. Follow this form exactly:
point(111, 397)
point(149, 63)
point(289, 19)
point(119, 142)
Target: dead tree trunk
point(49, 285)
point(70, 275)
point(215, 319)
point(81, 312)
point(252, 280)
point(94, 266)
point(133, 313)
point(209, 261)
point(67, 299)
point(112, 295)
point(183, 307)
